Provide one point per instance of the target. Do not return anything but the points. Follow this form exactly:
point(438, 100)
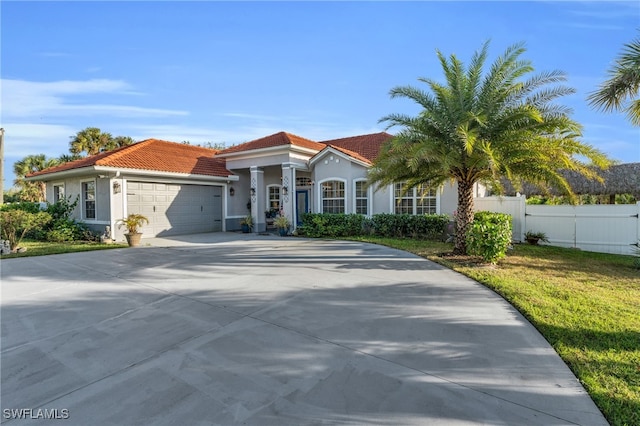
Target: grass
point(587, 306)
point(42, 248)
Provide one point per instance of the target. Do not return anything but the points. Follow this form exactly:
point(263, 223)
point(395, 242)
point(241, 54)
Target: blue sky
point(233, 72)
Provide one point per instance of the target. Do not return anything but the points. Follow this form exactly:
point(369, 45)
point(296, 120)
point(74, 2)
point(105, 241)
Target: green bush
point(428, 226)
point(26, 206)
point(317, 225)
point(489, 236)
point(16, 223)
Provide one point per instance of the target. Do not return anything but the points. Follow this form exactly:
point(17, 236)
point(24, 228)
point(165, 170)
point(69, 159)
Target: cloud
point(22, 139)
point(23, 99)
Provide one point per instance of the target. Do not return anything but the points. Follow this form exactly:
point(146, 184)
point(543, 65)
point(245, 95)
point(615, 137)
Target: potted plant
point(247, 224)
point(132, 223)
point(282, 223)
point(534, 237)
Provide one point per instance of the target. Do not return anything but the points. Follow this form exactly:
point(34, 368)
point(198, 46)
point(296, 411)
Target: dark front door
point(302, 204)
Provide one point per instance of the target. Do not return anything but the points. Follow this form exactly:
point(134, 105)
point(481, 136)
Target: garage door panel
point(176, 209)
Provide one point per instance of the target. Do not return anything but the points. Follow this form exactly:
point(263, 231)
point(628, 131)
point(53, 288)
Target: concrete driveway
point(234, 329)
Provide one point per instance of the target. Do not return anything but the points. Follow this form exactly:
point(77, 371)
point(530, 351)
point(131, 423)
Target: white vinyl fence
point(604, 228)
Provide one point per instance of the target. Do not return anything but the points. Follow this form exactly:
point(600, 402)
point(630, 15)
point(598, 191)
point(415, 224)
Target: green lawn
point(41, 248)
point(587, 305)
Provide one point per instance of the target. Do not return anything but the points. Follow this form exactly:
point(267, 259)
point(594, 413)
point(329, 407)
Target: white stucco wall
point(73, 189)
point(333, 166)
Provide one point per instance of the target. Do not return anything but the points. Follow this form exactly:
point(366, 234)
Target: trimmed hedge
point(318, 225)
point(489, 235)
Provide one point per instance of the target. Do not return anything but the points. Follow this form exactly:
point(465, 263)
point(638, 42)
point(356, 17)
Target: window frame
point(269, 200)
point(56, 194)
point(322, 198)
point(415, 203)
point(357, 198)
point(83, 191)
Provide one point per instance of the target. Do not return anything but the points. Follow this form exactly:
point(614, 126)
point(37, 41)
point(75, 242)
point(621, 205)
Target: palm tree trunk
point(464, 216)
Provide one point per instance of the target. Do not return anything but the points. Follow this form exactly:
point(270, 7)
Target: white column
point(258, 201)
point(288, 200)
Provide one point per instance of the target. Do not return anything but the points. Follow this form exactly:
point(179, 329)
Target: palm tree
point(65, 158)
point(476, 128)
point(32, 191)
point(90, 140)
point(623, 85)
point(120, 141)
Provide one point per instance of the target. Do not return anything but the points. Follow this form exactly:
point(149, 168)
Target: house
point(186, 189)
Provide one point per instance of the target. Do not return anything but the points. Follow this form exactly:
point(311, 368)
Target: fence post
point(638, 225)
point(522, 213)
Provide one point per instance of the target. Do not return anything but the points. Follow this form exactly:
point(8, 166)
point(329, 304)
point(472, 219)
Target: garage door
point(176, 209)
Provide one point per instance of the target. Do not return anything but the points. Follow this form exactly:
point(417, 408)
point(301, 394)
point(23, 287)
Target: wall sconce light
point(253, 192)
point(116, 187)
point(232, 191)
point(285, 190)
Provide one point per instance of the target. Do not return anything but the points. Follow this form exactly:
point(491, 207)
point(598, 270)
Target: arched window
point(332, 196)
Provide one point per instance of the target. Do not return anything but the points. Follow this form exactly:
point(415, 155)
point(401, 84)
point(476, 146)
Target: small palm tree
point(480, 126)
point(32, 191)
point(620, 91)
point(133, 222)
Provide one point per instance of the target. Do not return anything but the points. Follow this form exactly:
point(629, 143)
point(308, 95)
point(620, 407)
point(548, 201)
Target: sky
point(231, 72)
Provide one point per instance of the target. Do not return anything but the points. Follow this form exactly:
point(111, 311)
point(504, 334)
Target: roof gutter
point(269, 150)
point(113, 172)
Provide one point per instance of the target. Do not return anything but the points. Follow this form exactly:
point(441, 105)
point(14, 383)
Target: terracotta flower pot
point(133, 239)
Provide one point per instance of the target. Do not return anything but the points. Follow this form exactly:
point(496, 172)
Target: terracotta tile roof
point(277, 139)
point(367, 146)
point(156, 155)
point(352, 154)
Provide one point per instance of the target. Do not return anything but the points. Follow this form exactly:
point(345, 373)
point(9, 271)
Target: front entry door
point(302, 204)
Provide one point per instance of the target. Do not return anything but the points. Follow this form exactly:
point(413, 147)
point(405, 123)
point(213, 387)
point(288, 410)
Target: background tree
point(32, 191)
point(480, 126)
point(93, 141)
point(65, 158)
point(620, 91)
point(120, 141)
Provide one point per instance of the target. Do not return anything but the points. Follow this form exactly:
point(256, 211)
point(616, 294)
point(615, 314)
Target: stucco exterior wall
point(237, 205)
point(263, 161)
point(73, 189)
point(332, 166)
point(381, 200)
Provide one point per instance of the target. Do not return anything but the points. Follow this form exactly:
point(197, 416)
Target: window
point(332, 197)
point(273, 200)
point(58, 192)
point(303, 181)
point(89, 199)
point(362, 200)
point(418, 200)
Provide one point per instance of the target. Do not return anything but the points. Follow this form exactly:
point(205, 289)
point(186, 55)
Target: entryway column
point(289, 193)
point(258, 200)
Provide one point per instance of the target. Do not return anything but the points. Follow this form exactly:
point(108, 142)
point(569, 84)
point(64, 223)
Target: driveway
point(245, 329)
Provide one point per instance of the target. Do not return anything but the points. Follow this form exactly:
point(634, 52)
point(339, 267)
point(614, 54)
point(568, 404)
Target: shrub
point(26, 206)
point(489, 236)
point(318, 225)
point(387, 225)
point(16, 223)
point(63, 208)
point(429, 226)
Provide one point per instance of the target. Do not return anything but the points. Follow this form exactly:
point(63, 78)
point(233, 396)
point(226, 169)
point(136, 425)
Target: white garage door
point(176, 209)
